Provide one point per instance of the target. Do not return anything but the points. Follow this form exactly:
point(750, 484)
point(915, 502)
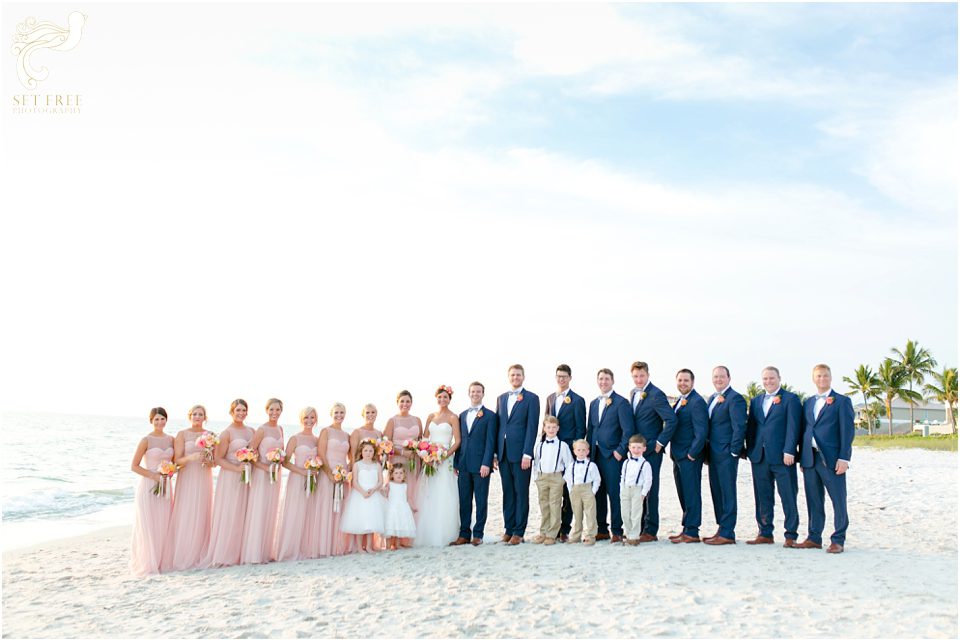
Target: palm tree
point(864, 382)
point(753, 390)
point(915, 361)
point(892, 379)
point(945, 391)
point(789, 388)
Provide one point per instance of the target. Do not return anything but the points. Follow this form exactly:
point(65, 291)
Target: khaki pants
point(584, 505)
point(550, 490)
point(631, 509)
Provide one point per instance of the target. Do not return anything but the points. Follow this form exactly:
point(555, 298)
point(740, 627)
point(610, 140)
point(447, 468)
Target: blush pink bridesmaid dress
point(330, 541)
point(298, 535)
point(407, 428)
point(260, 522)
point(153, 512)
point(229, 505)
point(189, 533)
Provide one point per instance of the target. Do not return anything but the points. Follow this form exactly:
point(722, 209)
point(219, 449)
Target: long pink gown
point(229, 505)
point(189, 533)
point(153, 511)
point(331, 538)
point(407, 428)
point(299, 533)
point(260, 522)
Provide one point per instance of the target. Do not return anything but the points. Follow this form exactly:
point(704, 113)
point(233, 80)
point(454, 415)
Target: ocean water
point(66, 475)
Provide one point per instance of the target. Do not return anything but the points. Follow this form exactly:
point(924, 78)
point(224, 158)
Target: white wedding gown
point(438, 521)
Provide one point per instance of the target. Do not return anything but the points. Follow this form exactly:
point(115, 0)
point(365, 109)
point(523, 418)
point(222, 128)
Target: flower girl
point(364, 512)
point(398, 521)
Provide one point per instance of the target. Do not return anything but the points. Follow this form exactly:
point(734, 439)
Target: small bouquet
point(166, 469)
point(208, 442)
point(246, 456)
point(432, 455)
point(312, 465)
point(340, 476)
point(384, 450)
point(275, 456)
point(412, 448)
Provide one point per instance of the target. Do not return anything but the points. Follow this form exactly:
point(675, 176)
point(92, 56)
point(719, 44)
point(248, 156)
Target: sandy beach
point(897, 578)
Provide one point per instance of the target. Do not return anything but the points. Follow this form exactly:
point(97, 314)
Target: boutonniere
point(776, 399)
point(519, 397)
point(608, 402)
point(643, 395)
point(720, 398)
point(479, 413)
point(566, 400)
point(683, 402)
point(829, 400)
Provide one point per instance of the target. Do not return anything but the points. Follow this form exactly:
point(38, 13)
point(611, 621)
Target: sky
point(335, 202)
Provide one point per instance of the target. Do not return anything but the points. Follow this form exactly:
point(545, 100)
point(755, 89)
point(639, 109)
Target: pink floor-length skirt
point(189, 533)
point(298, 536)
point(153, 513)
point(331, 540)
point(260, 522)
point(229, 507)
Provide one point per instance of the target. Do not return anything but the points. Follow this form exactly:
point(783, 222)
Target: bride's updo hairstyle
point(444, 388)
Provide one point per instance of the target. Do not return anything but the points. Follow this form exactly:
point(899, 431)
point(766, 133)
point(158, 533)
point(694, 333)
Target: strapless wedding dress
point(438, 521)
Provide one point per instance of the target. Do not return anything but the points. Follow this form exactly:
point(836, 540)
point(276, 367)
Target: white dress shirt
point(558, 402)
point(636, 471)
point(716, 399)
point(512, 400)
point(584, 471)
point(551, 455)
point(471, 417)
point(638, 396)
point(676, 408)
point(768, 401)
point(601, 404)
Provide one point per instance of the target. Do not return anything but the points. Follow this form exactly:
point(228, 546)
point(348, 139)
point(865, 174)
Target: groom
point(518, 412)
point(473, 460)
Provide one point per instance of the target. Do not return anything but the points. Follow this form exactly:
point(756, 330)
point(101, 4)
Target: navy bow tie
point(634, 459)
point(584, 462)
point(550, 441)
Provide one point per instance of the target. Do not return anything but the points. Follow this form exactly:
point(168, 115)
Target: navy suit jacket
point(476, 448)
point(728, 424)
point(833, 429)
point(770, 437)
point(572, 415)
point(692, 429)
point(516, 433)
point(654, 418)
point(614, 428)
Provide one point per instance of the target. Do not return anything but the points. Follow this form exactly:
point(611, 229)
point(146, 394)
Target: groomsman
point(727, 419)
point(609, 428)
point(473, 461)
point(687, 451)
point(518, 414)
point(825, 450)
point(773, 431)
point(655, 421)
point(571, 410)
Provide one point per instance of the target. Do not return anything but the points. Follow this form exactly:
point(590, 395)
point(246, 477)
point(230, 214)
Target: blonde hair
point(550, 420)
point(237, 403)
point(195, 408)
point(334, 407)
point(822, 366)
point(368, 406)
point(581, 441)
point(272, 401)
point(306, 410)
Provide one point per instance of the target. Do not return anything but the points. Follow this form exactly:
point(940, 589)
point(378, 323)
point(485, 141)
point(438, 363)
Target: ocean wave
point(49, 504)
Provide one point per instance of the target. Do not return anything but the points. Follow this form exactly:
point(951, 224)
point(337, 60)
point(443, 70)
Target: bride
point(439, 502)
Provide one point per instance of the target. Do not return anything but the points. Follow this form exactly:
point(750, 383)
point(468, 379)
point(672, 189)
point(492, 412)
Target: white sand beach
point(897, 578)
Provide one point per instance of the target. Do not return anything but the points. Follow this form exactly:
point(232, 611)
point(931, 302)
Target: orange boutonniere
point(519, 397)
point(720, 398)
point(683, 402)
point(566, 400)
point(776, 399)
point(829, 400)
point(608, 401)
point(479, 413)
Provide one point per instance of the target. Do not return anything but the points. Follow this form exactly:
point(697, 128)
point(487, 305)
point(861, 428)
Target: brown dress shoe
point(719, 540)
point(603, 536)
point(564, 538)
point(685, 539)
point(516, 540)
point(505, 538)
point(675, 537)
point(476, 542)
point(460, 541)
point(809, 545)
point(835, 548)
point(646, 538)
point(761, 540)
point(616, 539)
point(790, 543)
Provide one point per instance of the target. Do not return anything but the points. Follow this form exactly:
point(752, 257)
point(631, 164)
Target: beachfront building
point(931, 414)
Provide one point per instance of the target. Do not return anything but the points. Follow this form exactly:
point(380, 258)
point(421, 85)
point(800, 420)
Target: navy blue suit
point(826, 438)
point(573, 426)
point(768, 439)
point(728, 428)
point(476, 449)
point(608, 434)
point(654, 419)
point(515, 436)
point(690, 438)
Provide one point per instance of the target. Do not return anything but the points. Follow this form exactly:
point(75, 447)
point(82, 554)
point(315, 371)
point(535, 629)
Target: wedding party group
point(426, 483)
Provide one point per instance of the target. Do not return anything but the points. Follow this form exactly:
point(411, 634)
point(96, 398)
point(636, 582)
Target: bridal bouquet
point(207, 442)
point(412, 448)
point(312, 465)
point(275, 456)
point(432, 455)
point(166, 470)
point(246, 456)
point(340, 476)
point(384, 450)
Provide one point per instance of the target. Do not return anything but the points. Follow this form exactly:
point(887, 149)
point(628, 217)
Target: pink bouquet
point(340, 476)
point(312, 465)
point(432, 455)
point(166, 469)
point(384, 450)
point(412, 448)
point(275, 456)
point(207, 442)
point(246, 456)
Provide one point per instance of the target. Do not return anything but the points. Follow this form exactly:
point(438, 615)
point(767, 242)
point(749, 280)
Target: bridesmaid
point(298, 536)
point(333, 448)
point(260, 522)
point(367, 430)
point(230, 502)
point(400, 428)
point(189, 533)
point(153, 510)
